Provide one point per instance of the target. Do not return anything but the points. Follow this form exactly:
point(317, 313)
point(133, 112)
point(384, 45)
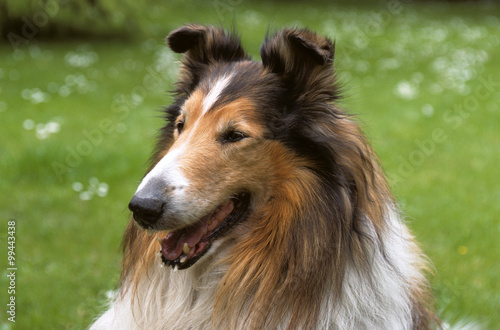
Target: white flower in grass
point(85, 195)
point(41, 132)
point(406, 90)
point(94, 188)
point(81, 59)
point(53, 127)
point(28, 124)
point(136, 99)
point(77, 186)
point(35, 95)
point(102, 189)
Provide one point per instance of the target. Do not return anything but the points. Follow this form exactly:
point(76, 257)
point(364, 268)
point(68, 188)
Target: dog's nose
point(146, 210)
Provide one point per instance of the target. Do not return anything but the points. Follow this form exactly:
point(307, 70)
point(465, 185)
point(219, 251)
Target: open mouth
point(182, 248)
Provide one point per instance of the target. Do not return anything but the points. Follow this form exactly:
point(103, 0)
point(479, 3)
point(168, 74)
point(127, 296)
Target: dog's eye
point(233, 136)
point(179, 126)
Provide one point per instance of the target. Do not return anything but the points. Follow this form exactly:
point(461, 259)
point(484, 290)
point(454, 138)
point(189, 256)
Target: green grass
point(405, 74)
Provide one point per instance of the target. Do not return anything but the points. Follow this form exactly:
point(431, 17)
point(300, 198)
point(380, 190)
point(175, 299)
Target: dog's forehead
point(236, 84)
point(233, 81)
point(240, 111)
point(203, 98)
point(215, 90)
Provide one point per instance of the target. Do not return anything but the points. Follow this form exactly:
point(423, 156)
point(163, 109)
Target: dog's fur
point(322, 244)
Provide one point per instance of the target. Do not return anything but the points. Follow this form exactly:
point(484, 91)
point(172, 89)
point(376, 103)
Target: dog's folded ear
point(304, 60)
point(202, 46)
point(206, 44)
point(184, 38)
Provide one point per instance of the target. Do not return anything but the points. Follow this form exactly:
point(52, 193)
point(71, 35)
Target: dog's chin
point(182, 248)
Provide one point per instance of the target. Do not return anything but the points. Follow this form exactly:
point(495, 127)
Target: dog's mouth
point(183, 247)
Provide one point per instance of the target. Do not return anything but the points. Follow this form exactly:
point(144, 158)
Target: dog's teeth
point(185, 248)
point(175, 268)
point(183, 259)
point(162, 265)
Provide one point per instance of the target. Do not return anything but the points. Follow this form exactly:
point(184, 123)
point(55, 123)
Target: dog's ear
point(202, 46)
point(184, 38)
point(304, 60)
point(206, 44)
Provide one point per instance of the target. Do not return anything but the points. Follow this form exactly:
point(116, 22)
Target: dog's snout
point(146, 210)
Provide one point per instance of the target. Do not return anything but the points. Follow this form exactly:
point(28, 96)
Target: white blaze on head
point(215, 92)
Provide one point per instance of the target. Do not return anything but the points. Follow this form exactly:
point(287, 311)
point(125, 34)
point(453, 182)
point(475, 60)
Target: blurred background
point(82, 83)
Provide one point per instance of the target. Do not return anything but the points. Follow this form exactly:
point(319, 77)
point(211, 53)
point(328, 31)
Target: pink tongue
point(172, 245)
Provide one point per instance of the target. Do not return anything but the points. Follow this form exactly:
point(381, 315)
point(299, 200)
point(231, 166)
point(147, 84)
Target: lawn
point(79, 117)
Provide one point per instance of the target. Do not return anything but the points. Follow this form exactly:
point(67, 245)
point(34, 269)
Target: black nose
point(146, 210)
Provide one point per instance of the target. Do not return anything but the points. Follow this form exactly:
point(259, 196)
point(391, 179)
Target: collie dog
point(264, 206)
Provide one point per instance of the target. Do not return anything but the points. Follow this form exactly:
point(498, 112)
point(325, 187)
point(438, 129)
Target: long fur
point(324, 246)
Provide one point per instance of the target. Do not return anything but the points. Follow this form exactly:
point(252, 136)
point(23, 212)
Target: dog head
point(237, 134)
